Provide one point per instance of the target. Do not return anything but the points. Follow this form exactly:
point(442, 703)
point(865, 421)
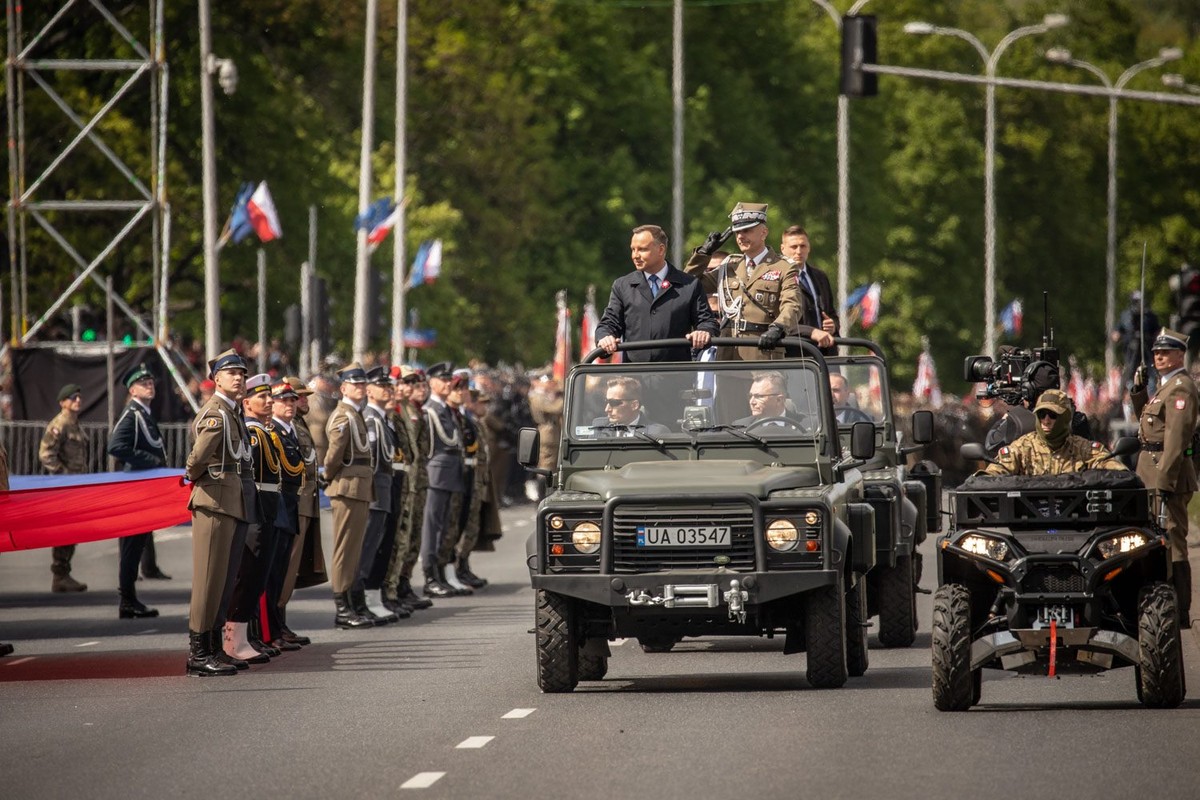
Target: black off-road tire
point(1160, 652)
point(897, 604)
point(557, 643)
point(592, 668)
point(825, 636)
point(655, 644)
point(955, 688)
point(857, 655)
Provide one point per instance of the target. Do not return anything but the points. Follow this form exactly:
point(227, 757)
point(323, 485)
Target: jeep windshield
point(683, 402)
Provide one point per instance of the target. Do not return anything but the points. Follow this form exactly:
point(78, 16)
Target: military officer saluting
point(1167, 422)
point(219, 511)
point(757, 291)
point(348, 468)
point(1051, 448)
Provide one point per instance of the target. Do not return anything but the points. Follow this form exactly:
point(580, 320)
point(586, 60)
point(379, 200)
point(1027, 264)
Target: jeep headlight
point(995, 549)
point(586, 537)
point(782, 535)
point(1122, 543)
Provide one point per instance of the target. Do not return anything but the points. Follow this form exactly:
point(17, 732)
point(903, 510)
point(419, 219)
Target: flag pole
point(398, 241)
point(361, 280)
point(262, 310)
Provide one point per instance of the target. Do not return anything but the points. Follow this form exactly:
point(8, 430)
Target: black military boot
point(346, 616)
point(200, 661)
point(1181, 577)
point(150, 569)
point(254, 636)
point(456, 587)
point(398, 607)
point(434, 586)
point(463, 570)
point(287, 634)
point(131, 608)
point(410, 598)
point(358, 601)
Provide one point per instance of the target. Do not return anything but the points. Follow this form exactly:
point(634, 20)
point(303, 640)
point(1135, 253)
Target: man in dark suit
point(843, 408)
point(623, 409)
point(655, 301)
point(768, 401)
point(445, 470)
point(820, 314)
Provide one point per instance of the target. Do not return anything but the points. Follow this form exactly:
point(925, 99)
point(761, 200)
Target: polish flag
point(262, 214)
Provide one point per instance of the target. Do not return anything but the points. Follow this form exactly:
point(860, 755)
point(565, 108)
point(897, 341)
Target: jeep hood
point(658, 478)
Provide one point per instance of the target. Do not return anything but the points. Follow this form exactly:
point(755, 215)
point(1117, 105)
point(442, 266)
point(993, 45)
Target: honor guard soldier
point(136, 444)
point(757, 291)
point(459, 501)
point(410, 393)
point(350, 474)
point(481, 487)
point(242, 639)
point(445, 470)
point(292, 467)
point(63, 451)
point(306, 566)
point(382, 438)
point(1166, 426)
point(220, 509)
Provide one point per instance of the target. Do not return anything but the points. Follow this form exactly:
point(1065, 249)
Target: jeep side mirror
point(922, 427)
point(862, 441)
point(529, 445)
point(973, 451)
point(1126, 446)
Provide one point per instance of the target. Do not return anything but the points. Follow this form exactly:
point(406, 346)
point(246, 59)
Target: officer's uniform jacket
point(308, 500)
point(1165, 429)
point(348, 465)
point(64, 447)
point(287, 452)
point(415, 435)
point(750, 304)
point(445, 467)
point(136, 441)
point(220, 452)
point(382, 437)
point(1031, 455)
point(268, 476)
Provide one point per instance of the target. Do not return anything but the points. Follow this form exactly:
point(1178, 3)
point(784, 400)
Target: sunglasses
point(1044, 413)
point(615, 402)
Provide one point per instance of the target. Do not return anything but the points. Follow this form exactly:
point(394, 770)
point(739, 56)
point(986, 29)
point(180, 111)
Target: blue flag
point(239, 225)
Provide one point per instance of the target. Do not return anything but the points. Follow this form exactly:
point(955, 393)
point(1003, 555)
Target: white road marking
point(519, 713)
point(86, 644)
point(18, 661)
point(148, 630)
point(474, 742)
point(422, 780)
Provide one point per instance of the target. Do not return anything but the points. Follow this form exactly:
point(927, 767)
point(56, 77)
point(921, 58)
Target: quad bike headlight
point(585, 536)
point(782, 535)
point(988, 546)
point(1122, 543)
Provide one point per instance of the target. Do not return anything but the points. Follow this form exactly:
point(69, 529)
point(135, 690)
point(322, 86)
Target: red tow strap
point(1053, 645)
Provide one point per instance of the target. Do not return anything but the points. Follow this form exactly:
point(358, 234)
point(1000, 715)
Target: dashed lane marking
point(148, 630)
point(473, 742)
point(422, 780)
point(519, 713)
point(86, 644)
point(18, 661)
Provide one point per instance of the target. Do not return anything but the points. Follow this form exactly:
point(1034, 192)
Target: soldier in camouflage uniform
point(479, 489)
point(64, 452)
point(412, 391)
point(1051, 449)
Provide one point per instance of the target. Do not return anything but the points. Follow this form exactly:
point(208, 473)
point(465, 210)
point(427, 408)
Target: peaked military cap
point(410, 375)
point(258, 384)
point(298, 386)
point(69, 390)
point(1055, 400)
point(352, 373)
point(379, 376)
point(442, 369)
point(138, 373)
point(282, 389)
point(747, 215)
point(1170, 340)
point(230, 359)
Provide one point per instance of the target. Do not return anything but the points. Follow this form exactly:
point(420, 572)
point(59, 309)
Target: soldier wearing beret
point(382, 438)
point(136, 444)
point(411, 393)
point(64, 452)
point(1166, 426)
point(349, 471)
point(221, 510)
point(1051, 448)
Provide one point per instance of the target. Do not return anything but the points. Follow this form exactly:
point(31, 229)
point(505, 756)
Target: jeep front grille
point(629, 558)
point(1059, 580)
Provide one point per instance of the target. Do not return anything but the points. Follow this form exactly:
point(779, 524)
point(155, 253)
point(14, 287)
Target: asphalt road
point(92, 706)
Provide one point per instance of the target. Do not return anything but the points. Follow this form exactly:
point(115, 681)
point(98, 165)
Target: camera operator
point(1019, 377)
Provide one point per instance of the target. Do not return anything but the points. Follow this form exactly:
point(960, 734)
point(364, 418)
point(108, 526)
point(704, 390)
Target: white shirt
point(751, 263)
point(287, 428)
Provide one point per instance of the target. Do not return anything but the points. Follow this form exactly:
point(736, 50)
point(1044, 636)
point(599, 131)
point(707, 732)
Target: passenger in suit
point(445, 471)
point(623, 408)
point(820, 319)
point(768, 401)
point(843, 408)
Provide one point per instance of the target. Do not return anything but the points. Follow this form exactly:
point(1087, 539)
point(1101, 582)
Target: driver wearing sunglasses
point(1051, 448)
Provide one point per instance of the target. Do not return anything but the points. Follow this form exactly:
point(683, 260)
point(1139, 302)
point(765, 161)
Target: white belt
point(399, 467)
point(267, 487)
point(470, 462)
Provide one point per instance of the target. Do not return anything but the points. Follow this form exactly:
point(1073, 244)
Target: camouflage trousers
point(463, 531)
point(60, 559)
point(408, 540)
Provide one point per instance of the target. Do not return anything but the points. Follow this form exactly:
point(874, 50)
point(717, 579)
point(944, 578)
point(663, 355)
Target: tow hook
point(736, 597)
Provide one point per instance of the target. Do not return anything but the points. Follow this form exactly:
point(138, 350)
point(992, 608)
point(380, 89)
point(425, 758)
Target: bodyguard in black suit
point(820, 313)
point(655, 301)
point(137, 445)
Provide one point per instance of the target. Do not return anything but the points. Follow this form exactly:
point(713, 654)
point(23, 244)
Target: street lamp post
point(1176, 81)
point(990, 60)
point(1060, 55)
point(843, 165)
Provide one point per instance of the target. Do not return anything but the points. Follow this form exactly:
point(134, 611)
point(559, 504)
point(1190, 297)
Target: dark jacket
point(445, 467)
point(135, 441)
point(810, 319)
point(633, 314)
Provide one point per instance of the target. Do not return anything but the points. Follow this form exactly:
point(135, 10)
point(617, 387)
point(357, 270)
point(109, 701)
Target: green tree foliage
point(539, 133)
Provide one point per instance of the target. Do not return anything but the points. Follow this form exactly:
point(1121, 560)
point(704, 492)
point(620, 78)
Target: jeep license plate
point(683, 536)
point(1063, 615)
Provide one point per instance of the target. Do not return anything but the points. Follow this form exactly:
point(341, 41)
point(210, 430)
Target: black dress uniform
point(291, 473)
point(136, 444)
point(445, 471)
point(382, 438)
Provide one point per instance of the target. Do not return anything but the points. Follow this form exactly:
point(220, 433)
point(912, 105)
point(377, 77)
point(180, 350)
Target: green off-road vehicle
point(674, 511)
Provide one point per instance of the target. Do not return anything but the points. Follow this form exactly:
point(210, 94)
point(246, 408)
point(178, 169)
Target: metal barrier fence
point(22, 439)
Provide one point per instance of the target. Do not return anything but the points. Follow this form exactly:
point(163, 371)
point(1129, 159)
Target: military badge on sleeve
point(211, 422)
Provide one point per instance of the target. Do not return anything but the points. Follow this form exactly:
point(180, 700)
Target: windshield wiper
point(740, 430)
point(634, 429)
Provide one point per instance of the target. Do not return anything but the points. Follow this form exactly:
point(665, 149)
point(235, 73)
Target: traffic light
point(858, 48)
point(1188, 297)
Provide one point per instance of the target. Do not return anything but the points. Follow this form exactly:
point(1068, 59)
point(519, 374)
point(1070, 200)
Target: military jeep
point(694, 517)
point(907, 501)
